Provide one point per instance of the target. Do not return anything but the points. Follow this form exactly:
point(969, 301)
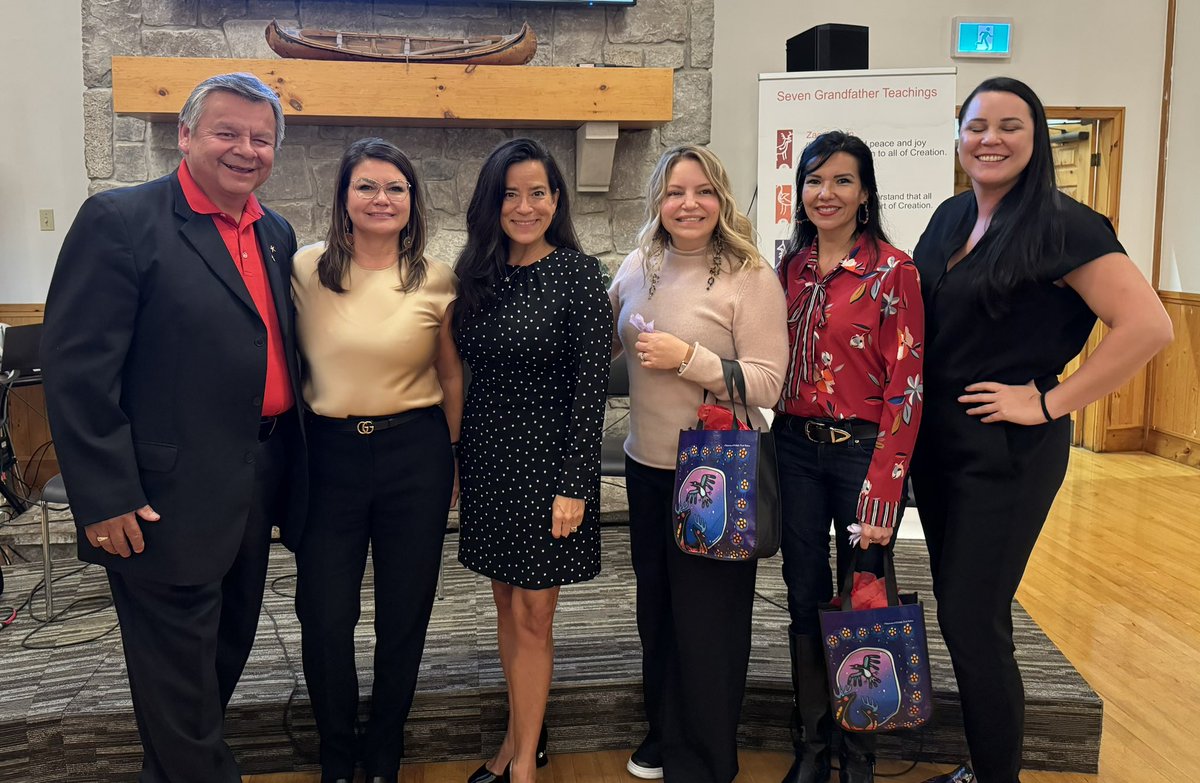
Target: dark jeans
point(693, 617)
point(391, 490)
point(818, 483)
point(985, 491)
point(186, 645)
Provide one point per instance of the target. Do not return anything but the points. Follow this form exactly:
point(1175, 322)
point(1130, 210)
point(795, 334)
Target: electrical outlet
point(46, 219)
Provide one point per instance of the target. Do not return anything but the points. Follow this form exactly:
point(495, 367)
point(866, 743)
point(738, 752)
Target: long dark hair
point(482, 262)
point(814, 156)
point(1027, 224)
point(339, 243)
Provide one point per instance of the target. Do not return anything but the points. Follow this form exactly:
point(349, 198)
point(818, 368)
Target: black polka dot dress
point(539, 356)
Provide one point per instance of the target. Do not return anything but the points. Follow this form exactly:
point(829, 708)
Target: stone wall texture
point(655, 33)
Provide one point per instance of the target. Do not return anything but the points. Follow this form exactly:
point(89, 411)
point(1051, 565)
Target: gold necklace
point(714, 271)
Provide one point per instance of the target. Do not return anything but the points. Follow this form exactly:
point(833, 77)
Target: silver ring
point(641, 357)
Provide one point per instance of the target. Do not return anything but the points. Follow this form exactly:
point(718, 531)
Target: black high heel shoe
point(542, 758)
point(485, 775)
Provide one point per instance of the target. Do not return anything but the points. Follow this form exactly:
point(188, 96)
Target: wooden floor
point(1113, 582)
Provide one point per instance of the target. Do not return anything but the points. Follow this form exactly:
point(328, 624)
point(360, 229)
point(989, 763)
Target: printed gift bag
point(878, 660)
point(726, 486)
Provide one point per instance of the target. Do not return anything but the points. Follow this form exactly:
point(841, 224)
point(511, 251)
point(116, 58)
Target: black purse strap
point(731, 370)
point(735, 380)
point(889, 578)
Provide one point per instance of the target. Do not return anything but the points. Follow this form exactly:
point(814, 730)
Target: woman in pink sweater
point(696, 291)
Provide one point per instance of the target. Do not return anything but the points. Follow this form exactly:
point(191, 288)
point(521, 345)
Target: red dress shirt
point(856, 342)
point(244, 252)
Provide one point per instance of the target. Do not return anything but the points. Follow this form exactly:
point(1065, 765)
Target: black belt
point(366, 426)
point(266, 427)
point(829, 430)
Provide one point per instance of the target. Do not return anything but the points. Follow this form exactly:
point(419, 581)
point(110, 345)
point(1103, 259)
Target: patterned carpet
point(66, 712)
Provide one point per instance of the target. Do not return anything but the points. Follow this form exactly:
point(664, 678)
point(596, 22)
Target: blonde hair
point(734, 233)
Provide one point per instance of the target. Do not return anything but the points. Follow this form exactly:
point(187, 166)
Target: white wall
point(41, 140)
point(1180, 267)
point(1072, 52)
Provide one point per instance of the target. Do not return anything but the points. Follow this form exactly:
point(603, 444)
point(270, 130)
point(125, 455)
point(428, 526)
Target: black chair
point(20, 365)
point(53, 492)
point(612, 448)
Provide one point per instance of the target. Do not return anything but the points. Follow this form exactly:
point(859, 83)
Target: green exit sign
point(988, 37)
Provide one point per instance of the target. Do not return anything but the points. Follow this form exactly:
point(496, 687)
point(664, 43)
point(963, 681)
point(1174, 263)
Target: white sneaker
point(642, 768)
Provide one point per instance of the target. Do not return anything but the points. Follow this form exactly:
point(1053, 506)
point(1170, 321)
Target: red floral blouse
point(855, 347)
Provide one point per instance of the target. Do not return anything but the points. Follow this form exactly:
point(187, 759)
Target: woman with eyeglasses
point(383, 387)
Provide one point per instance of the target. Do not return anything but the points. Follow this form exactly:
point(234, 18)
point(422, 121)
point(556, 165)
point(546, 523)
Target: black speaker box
point(828, 47)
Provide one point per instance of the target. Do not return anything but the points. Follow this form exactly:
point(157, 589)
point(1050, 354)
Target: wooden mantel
point(595, 101)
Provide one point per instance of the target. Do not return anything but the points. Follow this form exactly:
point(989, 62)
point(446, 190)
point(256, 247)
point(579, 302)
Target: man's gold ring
point(101, 539)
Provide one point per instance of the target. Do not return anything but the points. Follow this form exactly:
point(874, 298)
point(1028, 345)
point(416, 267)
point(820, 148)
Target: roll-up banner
point(906, 116)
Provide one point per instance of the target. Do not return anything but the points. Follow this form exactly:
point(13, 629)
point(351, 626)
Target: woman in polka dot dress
point(534, 324)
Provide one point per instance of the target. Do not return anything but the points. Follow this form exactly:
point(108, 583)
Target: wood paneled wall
point(1116, 422)
point(28, 425)
point(1173, 426)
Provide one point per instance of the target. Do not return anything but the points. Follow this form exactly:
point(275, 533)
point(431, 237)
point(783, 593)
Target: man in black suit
point(171, 383)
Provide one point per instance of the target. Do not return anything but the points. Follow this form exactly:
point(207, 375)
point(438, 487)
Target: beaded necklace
point(714, 271)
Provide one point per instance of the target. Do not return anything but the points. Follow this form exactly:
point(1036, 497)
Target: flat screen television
point(594, 3)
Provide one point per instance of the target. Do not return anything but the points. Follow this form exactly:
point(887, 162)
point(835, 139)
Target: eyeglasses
point(368, 190)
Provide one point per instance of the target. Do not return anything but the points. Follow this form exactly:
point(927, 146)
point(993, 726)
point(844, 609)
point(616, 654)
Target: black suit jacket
point(154, 358)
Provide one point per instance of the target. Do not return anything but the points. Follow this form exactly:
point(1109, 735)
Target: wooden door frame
point(1095, 429)
point(1111, 132)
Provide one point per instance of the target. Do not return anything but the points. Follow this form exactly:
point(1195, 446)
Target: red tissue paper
point(714, 417)
point(869, 592)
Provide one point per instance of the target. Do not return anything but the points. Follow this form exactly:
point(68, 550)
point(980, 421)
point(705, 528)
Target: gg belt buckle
point(366, 427)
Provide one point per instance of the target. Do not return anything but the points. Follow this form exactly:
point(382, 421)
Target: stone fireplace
point(123, 150)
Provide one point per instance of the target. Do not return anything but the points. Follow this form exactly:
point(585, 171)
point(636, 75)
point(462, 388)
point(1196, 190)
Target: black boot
point(812, 717)
point(961, 774)
point(857, 757)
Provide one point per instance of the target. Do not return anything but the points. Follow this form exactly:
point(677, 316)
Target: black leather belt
point(829, 430)
point(266, 427)
point(366, 426)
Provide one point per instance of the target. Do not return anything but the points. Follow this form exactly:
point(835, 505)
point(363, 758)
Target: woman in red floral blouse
point(848, 417)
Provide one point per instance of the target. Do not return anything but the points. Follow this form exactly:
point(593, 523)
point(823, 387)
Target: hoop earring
point(864, 213)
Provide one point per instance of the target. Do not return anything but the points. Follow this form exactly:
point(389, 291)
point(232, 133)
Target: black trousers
point(186, 645)
point(389, 490)
point(984, 491)
point(693, 617)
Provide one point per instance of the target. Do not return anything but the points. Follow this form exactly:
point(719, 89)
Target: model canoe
point(308, 44)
